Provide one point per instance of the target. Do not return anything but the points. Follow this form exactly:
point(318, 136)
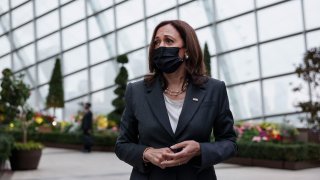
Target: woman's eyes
point(167, 41)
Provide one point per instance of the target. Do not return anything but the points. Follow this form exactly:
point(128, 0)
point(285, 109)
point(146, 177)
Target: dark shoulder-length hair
point(195, 67)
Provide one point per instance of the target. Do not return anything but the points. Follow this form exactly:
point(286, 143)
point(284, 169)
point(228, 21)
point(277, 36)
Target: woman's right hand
point(156, 156)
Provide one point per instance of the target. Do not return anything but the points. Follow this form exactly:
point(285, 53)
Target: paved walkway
point(63, 164)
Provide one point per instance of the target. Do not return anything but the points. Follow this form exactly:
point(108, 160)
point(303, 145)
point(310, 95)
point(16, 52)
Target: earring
point(186, 55)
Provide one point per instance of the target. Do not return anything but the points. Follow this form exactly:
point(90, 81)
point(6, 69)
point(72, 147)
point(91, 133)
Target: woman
point(169, 117)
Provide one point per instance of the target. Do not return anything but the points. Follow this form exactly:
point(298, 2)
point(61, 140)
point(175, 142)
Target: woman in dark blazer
point(169, 117)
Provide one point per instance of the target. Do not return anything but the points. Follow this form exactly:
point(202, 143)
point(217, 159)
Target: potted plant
point(13, 97)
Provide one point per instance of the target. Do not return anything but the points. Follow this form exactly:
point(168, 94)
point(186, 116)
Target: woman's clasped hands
point(176, 155)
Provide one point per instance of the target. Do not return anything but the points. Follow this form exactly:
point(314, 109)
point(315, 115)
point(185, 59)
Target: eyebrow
point(167, 36)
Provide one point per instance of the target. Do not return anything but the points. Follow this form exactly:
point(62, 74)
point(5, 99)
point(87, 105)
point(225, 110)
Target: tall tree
point(55, 98)
point(121, 81)
point(309, 71)
point(207, 59)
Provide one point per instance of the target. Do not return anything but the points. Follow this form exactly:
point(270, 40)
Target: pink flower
point(256, 139)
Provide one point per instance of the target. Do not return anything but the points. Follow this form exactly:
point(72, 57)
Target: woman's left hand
point(189, 149)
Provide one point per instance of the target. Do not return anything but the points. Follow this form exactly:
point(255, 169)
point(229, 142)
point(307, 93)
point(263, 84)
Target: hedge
point(274, 151)
point(108, 139)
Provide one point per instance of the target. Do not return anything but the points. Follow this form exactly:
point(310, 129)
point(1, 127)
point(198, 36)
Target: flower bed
point(282, 156)
point(273, 145)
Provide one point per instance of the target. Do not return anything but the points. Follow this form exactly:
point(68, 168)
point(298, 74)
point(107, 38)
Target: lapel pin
point(195, 99)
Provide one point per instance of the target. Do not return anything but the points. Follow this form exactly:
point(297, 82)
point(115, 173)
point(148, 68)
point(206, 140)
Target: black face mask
point(167, 59)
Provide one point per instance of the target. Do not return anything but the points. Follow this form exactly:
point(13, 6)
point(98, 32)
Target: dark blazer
point(145, 123)
point(86, 123)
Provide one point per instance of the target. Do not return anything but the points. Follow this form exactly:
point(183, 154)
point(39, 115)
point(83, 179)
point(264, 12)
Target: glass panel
point(117, 1)
point(4, 5)
point(73, 12)
point(48, 46)
point(64, 1)
point(205, 35)
point(29, 76)
point(24, 57)
point(183, 1)
point(261, 3)
point(22, 14)
point(239, 66)
point(74, 35)
point(48, 23)
point(228, 8)
point(279, 97)
point(313, 39)
point(78, 55)
point(102, 49)
point(138, 64)
point(101, 23)
point(154, 21)
point(23, 35)
point(312, 15)
point(4, 45)
point(103, 75)
point(97, 5)
point(76, 85)
point(271, 20)
point(43, 90)
point(281, 56)
point(245, 100)
point(156, 6)
point(5, 23)
point(214, 68)
point(45, 71)
point(71, 108)
point(203, 10)
point(236, 33)
point(45, 6)
point(101, 101)
point(5, 62)
point(125, 15)
point(15, 3)
point(131, 38)
point(32, 101)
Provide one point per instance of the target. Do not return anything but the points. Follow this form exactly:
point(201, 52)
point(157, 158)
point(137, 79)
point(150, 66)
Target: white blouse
point(174, 108)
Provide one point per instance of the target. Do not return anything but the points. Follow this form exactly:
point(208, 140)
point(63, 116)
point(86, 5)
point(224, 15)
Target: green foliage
point(309, 71)
point(6, 144)
point(27, 146)
point(121, 82)
point(122, 77)
point(55, 98)
point(13, 97)
point(123, 59)
point(207, 59)
point(107, 138)
point(275, 151)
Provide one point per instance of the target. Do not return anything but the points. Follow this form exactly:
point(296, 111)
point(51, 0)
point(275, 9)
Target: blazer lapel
point(192, 101)
point(156, 102)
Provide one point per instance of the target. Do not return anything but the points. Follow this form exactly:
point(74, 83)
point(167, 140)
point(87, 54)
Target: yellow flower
point(39, 119)
point(102, 122)
point(1, 117)
point(11, 125)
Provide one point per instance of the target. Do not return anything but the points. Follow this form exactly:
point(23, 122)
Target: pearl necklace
point(176, 93)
